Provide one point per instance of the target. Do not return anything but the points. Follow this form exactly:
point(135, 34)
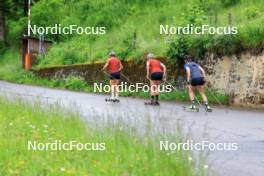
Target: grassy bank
point(126, 153)
point(132, 27)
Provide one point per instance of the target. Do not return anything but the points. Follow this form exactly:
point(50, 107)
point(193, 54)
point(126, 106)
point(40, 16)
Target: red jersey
point(113, 65)
point(155, 66)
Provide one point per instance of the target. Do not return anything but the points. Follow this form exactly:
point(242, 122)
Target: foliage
point(229, 2)
point(177, 49)
point(252, 12)
point(75, 83)
point(127, 150)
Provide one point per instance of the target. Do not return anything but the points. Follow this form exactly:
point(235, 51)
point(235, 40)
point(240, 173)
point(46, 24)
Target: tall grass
point(127, 152)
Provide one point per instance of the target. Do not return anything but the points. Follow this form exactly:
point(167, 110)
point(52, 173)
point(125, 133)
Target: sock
point(112, 94)
point(152, 97)
point(193, 102)
point(116, 95)
point(206, 103)
point(157, 97)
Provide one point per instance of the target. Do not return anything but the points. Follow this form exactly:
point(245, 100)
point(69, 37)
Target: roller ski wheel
point(116, 100)
point(151, 103)
point(111, 100)
point(191, 109)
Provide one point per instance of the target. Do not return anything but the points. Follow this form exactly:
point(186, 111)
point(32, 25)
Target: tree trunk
point(2, 25)
point(25, 7)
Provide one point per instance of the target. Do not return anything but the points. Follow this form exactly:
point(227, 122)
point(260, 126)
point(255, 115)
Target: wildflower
point(10, 124)
point(32, 126)
point(62, 169)
point(45, 126)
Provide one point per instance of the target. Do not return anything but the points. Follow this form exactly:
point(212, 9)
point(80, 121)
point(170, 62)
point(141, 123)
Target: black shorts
point(197, 81)
point(115, 75)
point(156, 76)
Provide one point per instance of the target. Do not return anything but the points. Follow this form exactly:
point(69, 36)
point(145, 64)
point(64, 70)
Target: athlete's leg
point(191, 92)
point(201, 90)
point(192, 95)
point(116, 89)
point(157, 84)
point(112, 94)
point(152, 90)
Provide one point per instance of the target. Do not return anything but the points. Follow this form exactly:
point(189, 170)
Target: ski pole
point(217, 100)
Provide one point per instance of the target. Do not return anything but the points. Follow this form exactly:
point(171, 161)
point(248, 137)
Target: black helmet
point(188, 58)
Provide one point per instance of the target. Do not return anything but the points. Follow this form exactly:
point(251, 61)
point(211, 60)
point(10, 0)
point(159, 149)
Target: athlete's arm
point(164, 71)
point(121, 66)
point(202, 70)
point(106, 65)
point(147, 67)
point(188, 71)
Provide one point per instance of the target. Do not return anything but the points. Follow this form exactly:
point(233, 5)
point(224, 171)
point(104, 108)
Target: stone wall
point(240, 76)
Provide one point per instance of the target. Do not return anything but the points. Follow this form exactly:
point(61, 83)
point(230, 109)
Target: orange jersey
point(155, 66)
point(113, 65)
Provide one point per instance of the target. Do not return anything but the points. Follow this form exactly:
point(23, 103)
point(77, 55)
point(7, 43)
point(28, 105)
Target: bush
point(251, 12)
point(227, 3)
point(177, 49)
point(75, 83)
point(2, 47)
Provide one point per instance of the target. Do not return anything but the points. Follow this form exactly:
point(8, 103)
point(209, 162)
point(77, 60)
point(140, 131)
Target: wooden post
point(229, 19)
point(27, 61)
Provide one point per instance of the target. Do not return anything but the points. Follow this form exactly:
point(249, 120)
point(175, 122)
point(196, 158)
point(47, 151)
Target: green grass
point(124, 18)
point(126, 153)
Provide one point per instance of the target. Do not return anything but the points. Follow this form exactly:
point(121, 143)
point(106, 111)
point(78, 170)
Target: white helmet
point(112, 53)
point(150, 56)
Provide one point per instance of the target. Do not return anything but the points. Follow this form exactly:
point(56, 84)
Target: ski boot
point(191, 108)
point(109, 100)
point(208, 108)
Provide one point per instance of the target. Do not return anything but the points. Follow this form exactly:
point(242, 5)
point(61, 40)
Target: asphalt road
point(246, 128)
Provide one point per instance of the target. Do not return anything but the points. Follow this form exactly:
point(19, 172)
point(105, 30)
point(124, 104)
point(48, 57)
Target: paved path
point(223, 125)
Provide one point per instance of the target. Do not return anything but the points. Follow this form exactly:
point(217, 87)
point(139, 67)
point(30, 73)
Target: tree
point(10, 9)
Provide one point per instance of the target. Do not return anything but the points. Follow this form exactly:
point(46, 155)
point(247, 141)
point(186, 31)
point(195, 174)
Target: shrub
point(75, 83)
point(2, 47)
point(177, 49)
point(251, 12)
point(227, 3)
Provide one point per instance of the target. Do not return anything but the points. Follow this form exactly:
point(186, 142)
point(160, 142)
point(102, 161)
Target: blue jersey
point(194, 69)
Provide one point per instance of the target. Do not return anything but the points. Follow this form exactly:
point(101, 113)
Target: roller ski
point(191, 108)
point(112, 100)
point(152, 103)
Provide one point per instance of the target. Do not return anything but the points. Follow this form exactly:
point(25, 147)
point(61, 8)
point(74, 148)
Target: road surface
point(246, 128)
